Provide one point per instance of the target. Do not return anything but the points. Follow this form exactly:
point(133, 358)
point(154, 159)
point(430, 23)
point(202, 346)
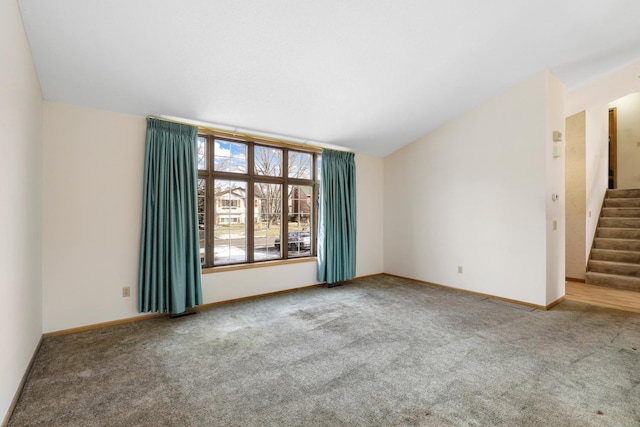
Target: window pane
point(300, 233)
point(230, 156)
point(268, 161)
point(230, 212)
point(319, 168)
point(202, 192)
point(202, 153)
point(267, 221)
point(300, 165)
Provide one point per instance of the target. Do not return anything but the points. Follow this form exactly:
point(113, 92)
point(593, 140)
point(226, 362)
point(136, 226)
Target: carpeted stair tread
point(615, 255)
point(621, 212)
point(621, 244)
point(619, 222)
point(613, 267)
point(631, 193)
point(622, 203)
point(619, 233)
point(616, 281)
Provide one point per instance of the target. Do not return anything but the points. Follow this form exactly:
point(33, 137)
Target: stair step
point(619, 222)
point(618, 212)
point(623, 193)
point(615, 258)
point(613, 281)
point(615, 255)
point(619, 233)
point(622, 203)
point(621, 244)
point(619, 268)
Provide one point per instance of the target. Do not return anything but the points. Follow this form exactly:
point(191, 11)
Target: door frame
point(613, 147)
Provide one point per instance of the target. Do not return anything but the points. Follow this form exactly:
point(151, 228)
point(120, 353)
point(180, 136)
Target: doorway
point(613, 148)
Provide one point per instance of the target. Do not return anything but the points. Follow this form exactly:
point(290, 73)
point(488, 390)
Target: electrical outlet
point(459, 269)
point(126, 291)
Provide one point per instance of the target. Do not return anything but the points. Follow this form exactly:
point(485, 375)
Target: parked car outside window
point(298, 241)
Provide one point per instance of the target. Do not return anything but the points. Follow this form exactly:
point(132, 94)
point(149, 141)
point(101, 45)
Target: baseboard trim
point(368, 276)
point(155, 315)
point(284, 291)
point(104, 324)
point(573, 279)
point(18, 392)
point(554, 303)
point(218, 303)
point(268, 294)
point(480, 294)
point(202, 306)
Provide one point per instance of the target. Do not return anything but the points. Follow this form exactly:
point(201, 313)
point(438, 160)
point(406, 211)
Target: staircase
point(615, 258)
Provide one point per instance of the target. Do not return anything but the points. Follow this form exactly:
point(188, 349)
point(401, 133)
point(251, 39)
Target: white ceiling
point(370, 75)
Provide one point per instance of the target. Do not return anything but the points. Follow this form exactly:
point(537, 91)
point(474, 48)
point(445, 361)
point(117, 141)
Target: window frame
point(251, 177)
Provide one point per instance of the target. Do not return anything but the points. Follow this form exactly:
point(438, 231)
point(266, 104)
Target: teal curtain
point(169, 276)
point(337, 217)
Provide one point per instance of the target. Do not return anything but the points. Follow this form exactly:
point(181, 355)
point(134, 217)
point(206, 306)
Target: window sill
point(234, 267)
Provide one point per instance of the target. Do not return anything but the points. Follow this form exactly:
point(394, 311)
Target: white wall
point(555, 184)
point(474, 194)
point(20, 205)
point(596, 168)
point(370, 207)
point(628, 139)
point(93, 176)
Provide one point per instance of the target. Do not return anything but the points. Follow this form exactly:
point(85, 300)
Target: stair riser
point(615, 268)
point(615, 256)
point(630, 193)
point(619, 233)
point(620, 222)
point(621, 212)
point(617, 282)
point(619, 244)
point(622, 203)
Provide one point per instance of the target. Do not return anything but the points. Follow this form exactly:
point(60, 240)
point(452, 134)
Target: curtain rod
point(249, 133)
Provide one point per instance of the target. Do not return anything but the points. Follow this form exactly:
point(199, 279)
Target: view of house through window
point(256, 202)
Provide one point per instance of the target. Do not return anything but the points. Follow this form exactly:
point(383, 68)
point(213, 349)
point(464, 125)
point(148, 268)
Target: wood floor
point(606, 297)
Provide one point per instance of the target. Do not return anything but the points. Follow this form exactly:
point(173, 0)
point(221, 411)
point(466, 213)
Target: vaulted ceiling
point(369, 75)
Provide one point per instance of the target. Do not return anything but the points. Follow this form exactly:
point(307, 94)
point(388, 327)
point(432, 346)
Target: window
point(229, 204)
point(256, 202)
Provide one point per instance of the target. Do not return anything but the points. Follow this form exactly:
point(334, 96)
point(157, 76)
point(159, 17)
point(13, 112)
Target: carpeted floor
point(378, 352)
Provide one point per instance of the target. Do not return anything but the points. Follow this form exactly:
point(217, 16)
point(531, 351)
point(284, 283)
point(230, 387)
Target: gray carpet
point(378, 352)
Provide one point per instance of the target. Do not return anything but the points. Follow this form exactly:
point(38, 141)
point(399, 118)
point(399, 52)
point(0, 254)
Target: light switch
point(555, 224)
